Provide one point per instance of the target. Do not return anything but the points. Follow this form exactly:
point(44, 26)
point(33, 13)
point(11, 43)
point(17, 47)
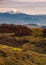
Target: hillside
point(9, 56)
point(20, 45)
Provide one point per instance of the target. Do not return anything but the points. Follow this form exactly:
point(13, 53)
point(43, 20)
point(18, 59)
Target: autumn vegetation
point(20, 45)
point(21, 30)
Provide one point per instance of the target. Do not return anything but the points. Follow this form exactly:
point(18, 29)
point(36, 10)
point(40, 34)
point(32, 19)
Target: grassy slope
point(18, 56)
point(11, 56)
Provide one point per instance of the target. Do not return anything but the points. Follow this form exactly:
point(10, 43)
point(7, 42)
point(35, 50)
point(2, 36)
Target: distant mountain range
point(35, 26)
point(22, 18)
point(32, 26)
point(43, 26)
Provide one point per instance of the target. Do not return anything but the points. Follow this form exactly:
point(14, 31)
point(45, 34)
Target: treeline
point(21, 30)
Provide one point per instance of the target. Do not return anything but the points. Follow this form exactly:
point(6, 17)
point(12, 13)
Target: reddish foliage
point(44, 32)
point(19, 30)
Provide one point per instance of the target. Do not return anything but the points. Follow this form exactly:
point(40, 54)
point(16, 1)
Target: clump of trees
point(19, 30)
point(7, 28)
point(44, 32)
point(22, 31)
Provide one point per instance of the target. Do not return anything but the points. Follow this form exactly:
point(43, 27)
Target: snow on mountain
point(17, 17)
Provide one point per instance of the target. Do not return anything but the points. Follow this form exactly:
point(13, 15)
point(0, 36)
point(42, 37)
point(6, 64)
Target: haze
point(26, 6)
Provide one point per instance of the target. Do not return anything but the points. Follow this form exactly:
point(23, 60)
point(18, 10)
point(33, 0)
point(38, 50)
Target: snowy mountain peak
point(11, 12)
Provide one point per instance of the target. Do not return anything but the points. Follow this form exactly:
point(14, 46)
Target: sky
point(25, 6)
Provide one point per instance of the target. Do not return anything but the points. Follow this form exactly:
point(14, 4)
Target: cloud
point(28, 6)
point(1, 0)
point(28, 0)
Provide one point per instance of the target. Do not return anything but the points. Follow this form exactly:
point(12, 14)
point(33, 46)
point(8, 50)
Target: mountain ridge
point(22, 18)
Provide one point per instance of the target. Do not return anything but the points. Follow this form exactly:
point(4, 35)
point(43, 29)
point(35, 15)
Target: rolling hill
point(20, 45)
point(32, 26)
point(9, 56)
point(22, 18)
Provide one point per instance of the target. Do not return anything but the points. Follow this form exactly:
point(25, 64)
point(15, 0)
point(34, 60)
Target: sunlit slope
point(18, 56)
